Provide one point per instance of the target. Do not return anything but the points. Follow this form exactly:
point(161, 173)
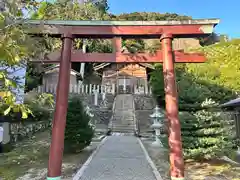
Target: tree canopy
point(15, 50)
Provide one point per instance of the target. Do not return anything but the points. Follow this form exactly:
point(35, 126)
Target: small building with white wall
point(50, 76)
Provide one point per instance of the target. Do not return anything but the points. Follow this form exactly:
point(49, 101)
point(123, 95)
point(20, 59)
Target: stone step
point(123, 120)
point(122, 134)
point(123, 117)
point(124, 130)
point(123, 126)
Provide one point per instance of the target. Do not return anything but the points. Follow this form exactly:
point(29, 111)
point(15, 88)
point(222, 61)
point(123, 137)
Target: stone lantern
point(157, 125)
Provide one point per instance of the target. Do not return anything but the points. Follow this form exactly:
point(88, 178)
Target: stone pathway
point(118, 158)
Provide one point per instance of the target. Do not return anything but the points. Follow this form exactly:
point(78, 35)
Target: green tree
point(102, 5)
point(150, 45)
point(15, 50)
point(92, 10)
point(33, 77)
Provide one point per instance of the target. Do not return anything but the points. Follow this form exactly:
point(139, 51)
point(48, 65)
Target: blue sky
point(226, 10)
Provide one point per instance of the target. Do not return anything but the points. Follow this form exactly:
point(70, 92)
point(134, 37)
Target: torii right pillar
point(171, 99)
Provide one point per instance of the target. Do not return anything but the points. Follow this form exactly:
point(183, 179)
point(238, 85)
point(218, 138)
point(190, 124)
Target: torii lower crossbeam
point(79, 56)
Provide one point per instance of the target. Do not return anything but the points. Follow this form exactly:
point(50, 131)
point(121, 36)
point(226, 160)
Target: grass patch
point(218, 169)
point(194, 170)
point(29, 159)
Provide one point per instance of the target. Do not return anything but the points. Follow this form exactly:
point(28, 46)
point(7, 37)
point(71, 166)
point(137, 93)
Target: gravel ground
point(159, 157)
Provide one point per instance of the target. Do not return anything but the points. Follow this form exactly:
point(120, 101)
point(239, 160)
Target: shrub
point(79, 132)
point(41, 106)
point(205, 135)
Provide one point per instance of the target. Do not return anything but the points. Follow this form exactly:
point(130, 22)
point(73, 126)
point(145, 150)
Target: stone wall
point(16, 131)
point(102, 112)
point(144, 106)
point(19, 131)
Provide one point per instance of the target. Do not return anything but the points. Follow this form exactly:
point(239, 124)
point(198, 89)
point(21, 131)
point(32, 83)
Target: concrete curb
point(151, 163)
point(85, 165)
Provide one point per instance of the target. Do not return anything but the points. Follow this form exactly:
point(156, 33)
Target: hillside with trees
point(217, 78)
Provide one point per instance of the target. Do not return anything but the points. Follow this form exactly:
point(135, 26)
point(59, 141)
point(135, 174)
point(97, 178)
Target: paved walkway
point(118, 158)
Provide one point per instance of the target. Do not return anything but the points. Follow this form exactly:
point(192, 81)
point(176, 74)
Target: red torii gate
point(165, 31)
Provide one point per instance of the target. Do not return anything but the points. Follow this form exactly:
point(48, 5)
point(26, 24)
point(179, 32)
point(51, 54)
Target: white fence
point(92, 89)
point(79, 89)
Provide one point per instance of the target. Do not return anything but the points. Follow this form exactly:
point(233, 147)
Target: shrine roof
point(124, 23)
point(103, 65)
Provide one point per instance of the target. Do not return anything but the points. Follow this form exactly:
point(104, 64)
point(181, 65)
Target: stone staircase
point(123, 119)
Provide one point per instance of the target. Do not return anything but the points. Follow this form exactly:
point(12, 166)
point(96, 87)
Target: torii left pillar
point(59, 122)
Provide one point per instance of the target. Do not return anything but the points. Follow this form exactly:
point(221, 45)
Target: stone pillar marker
point(98, 88)
point(90, 89)
point(95, 97)
point(39, 89)
point(105, 89)
point(86, 90)
point(70, 88)
point(103, 96)
point(102, 89)
point(146, 87)
point(124, 84)
point(78, 88)
point(113, 88)
point(75, 88)
point(83, 89)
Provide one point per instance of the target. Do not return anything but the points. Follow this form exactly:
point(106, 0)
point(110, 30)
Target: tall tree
point(15, 50)
point(75, 10)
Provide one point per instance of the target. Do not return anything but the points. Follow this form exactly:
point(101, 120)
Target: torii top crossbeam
point(136, 29)
point(123, 29)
